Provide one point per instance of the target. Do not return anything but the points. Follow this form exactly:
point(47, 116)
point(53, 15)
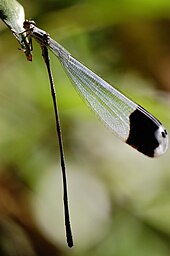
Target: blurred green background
point(119, 199)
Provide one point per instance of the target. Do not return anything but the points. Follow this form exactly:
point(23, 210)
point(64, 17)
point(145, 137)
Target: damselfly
point(128, 121)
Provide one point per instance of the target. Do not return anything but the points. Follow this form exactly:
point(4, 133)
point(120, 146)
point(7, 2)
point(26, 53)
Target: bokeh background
point(119, 199)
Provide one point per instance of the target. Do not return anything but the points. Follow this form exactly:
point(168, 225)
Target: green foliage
point(12, 13)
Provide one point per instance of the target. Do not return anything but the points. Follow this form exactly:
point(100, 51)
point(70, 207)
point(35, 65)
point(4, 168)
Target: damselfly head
point(27, 24)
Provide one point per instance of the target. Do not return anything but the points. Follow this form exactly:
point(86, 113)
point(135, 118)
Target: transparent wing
point(111, 106)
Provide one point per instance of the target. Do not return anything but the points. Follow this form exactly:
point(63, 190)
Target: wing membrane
point(111, 106)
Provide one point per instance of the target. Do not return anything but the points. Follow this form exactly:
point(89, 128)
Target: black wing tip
point(147, 134)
